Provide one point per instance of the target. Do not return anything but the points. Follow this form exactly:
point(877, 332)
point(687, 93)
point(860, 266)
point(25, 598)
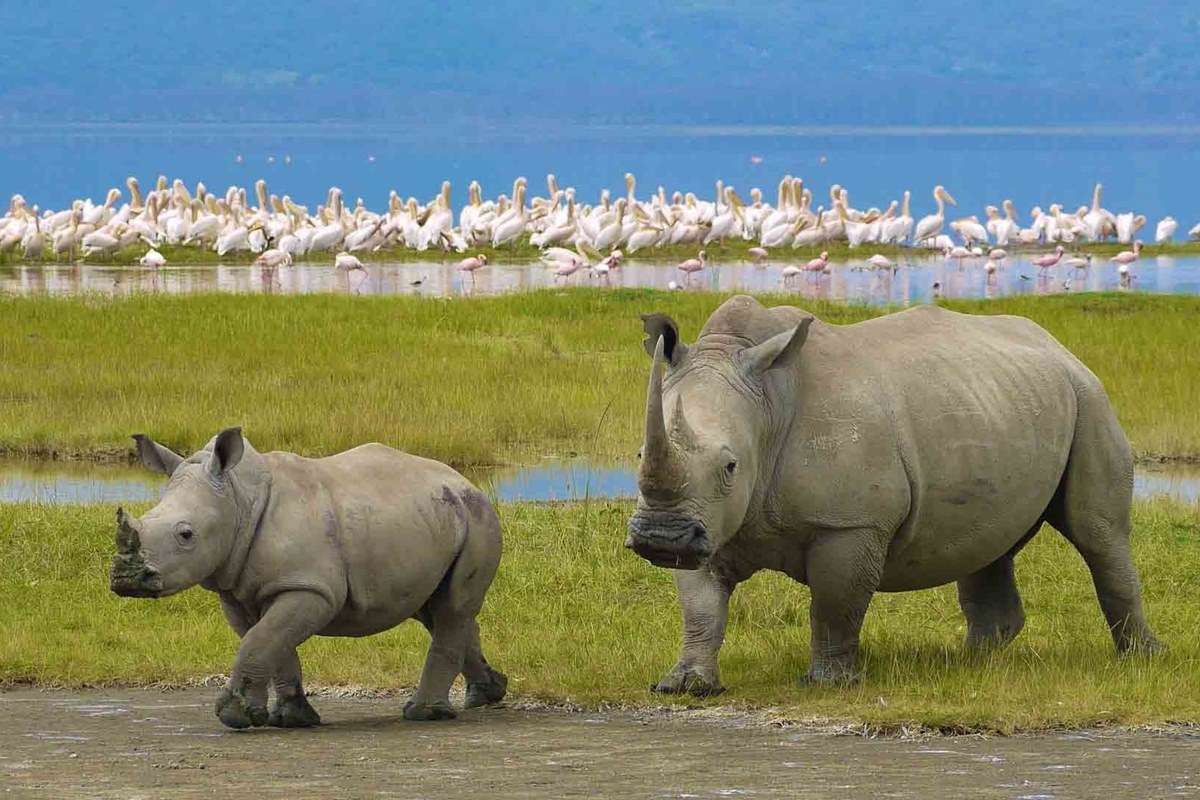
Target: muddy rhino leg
point(291, 708)
point(992, 605)
point(450, 617)
point(843, 570)
point(266, 647)
point(704, 601)
point(485, 685)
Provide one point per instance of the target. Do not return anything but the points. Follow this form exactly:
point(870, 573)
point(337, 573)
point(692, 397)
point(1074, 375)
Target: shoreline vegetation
point(524, 252)
point(575, 619)
point(474, 381)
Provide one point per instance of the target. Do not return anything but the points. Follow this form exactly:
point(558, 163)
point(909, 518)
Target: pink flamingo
point(1129, 256)
point(789, 273)
point(1050, 259)
point(692, 265)
point(566, 269)
point(472, 263)
point(818, 264)
point(757, 254)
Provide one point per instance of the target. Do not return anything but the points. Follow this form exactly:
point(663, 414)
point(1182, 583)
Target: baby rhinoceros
point(348, 545)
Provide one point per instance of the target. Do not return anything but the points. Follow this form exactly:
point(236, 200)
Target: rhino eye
point(731, 466)
point(185, 534)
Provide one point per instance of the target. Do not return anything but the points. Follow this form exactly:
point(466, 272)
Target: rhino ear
point(660, 325)
point(154, 456)
point(778, 351)
point(227, 451)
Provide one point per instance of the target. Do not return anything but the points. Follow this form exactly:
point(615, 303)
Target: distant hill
point(615, 61)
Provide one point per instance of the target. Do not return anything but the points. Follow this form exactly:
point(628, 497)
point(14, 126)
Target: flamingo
point(1049, 259)
point(692, 265)
point(153, 258)
point(790, 272)
point(273, 257)
point(472, 263)
point(818, 264)
point(346, 261)
point(997, 254)
point(1078, 262)
point(1126, 257)
point(880, 261)
point(757, 254)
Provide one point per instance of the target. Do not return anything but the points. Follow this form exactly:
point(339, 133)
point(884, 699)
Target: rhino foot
point(415, 712)
point(236, 712)
point(293, 712)
point(489, 692)
point(832, 674)
point(688, 680)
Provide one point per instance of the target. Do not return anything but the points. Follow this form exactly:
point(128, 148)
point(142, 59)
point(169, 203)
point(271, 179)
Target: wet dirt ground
point(144, 743)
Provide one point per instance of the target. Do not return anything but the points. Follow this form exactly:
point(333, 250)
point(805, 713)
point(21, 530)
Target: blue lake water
point(917, 279)
point(1151, 171)
point(59, 483)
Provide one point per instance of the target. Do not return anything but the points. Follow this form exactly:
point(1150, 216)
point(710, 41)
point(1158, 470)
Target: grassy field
point(574, 617)
point(522, 251)
point(470, 381)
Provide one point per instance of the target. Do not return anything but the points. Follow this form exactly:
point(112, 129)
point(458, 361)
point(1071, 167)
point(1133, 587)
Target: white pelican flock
point(572, 234)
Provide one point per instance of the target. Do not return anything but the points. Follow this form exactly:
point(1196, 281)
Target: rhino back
point(951, 429)
point(374, 528)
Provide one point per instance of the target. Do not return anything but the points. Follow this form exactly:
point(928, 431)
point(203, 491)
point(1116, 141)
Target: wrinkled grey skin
point(348, 545)
point(899, 453)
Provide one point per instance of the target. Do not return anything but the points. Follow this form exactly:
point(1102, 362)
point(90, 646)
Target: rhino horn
point(682, 431)
point(128, 540)
point(656, 450)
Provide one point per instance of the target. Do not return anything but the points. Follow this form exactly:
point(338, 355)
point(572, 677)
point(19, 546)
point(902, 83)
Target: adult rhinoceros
point(899, 453)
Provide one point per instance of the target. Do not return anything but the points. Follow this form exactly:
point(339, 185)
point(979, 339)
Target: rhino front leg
point(843, 569)
point(291, 709)
point(266, 648)
point(704, 601)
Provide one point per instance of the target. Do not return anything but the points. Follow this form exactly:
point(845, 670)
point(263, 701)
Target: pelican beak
point(946, 196)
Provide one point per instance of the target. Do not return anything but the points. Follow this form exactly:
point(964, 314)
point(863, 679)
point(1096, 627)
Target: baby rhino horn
point(127, 535)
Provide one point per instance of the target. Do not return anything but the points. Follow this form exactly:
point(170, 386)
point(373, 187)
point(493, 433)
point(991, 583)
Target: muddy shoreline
point(102, 743)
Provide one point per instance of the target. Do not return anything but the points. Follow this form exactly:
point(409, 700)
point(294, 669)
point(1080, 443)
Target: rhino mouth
point(131, 576)
point(668, 540)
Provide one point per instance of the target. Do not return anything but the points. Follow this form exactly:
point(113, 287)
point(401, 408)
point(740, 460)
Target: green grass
point(469, 381)
point(574, 617)
point(522, 251)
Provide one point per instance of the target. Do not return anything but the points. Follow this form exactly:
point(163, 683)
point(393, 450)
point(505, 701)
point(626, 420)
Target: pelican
point(1165, 230)
point(931, 225)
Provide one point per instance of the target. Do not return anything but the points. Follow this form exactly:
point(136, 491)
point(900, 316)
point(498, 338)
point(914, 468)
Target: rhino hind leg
point(1092, 510)
point(992, 605)
point(485, 686)
point(450, 617)
point(704, 602)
